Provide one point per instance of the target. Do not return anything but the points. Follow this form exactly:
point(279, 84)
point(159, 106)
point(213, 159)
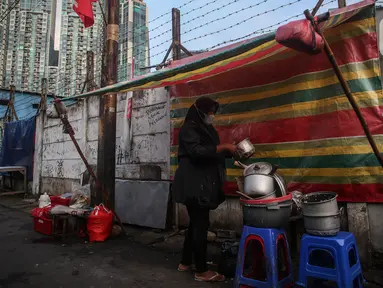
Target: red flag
point(84, 10)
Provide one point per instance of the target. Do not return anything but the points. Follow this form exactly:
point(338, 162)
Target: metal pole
point(176, 29)
point(40, 123)
point(342, 3)
point(346, 89)
point(106, 163)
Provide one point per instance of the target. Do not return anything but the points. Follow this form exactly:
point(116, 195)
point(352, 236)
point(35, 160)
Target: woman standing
point(198, 182)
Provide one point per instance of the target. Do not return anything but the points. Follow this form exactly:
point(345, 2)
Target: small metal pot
point(245, 149)
point(258, 185)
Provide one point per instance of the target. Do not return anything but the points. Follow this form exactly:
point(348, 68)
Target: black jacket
point(201, 171)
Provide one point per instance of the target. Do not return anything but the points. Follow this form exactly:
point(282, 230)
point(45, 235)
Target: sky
point(213, 16)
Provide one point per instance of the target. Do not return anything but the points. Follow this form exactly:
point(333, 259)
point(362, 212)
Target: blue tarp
point(18, 145)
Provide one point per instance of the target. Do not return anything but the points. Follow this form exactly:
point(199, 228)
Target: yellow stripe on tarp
point(312, 108)
point(284, 89)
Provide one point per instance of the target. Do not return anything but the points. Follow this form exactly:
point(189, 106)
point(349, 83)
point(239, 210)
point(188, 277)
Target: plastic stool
point(265, 245)
point(341, 254)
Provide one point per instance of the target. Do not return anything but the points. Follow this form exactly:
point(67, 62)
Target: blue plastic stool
point(265, 245)
point(343, 264)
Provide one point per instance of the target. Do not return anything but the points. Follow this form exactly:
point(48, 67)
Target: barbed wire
point(169, 13)
point(236, 24)
point(222, 18)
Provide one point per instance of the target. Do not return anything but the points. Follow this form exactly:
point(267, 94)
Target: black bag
point(228, 262)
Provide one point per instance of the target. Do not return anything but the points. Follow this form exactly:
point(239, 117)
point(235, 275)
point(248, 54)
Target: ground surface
point(28, 260)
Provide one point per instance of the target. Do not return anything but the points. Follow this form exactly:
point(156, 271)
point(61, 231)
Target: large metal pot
point(258, 185)
point(270, 215)
point(320, 204)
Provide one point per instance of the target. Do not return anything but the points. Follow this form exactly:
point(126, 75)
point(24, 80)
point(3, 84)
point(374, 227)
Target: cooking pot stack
point(269, 205)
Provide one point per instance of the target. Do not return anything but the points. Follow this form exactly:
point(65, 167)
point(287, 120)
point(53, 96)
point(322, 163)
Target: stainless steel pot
point(245, 149)
point(258, 185)
point(319, 204)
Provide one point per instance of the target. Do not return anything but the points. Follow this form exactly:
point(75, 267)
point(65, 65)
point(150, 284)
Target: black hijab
point(204, 105)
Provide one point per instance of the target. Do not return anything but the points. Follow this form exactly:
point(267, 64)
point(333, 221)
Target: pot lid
point(259, 168)
point(281, 183)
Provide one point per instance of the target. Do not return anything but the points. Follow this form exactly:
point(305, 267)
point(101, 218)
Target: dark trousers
point(196, 238)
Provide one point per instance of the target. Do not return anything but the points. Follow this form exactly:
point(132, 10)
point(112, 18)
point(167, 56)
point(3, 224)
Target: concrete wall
point(57, 163)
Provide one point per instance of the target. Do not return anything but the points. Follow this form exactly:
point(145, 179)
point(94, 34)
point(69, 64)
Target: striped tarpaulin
point(294, 110)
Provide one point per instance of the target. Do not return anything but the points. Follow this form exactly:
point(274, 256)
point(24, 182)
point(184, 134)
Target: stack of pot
point(265, 202)
point(321, 214)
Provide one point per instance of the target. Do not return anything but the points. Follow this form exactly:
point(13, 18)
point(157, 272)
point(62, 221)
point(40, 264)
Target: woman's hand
point(226, 147)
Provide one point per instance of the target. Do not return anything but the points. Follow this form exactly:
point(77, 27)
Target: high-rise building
point(3, 38)
point(26, 41)
point(133, 39)
point(68, 52)
point(46, 38)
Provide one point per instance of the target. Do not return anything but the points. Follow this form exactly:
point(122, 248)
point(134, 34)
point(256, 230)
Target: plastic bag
point(300, 36)
point(60, 210)
point(100, 224)
point(80, 196)
point(228, 260)
point(41, 212)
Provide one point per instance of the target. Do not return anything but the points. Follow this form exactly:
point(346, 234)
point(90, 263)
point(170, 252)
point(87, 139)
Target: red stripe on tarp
point(279, 70)
point(330, 125)
point(346, 192)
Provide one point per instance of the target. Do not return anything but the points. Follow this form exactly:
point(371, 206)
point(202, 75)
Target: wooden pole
point(106, 163)
point(342, 3)
point(176, 31)
point(346, 88)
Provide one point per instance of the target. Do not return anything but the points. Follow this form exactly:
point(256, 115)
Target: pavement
point(31, 260)
point(143, 258)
